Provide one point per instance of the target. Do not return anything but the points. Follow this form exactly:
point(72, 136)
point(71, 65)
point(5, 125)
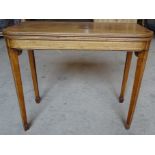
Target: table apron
point(78, 45)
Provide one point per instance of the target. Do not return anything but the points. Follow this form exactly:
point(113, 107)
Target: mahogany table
point(125, 37)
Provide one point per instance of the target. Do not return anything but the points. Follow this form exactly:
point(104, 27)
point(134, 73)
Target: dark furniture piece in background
point(62, 20)
point(150, 24)
point(7, 22)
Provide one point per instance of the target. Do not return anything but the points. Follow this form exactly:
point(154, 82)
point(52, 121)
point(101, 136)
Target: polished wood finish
point(79, 36)
point(77, 45)
point(116, 20)
point(34, 75)
point(13, 56)
point(75, 29)
point(141, 61)
point(125, 75)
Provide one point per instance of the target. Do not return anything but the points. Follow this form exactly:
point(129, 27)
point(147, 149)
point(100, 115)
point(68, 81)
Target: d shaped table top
point(78, 36)
point(74, 30)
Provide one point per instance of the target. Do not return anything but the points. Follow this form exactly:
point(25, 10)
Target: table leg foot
point(121, 99)
point(127, 126)
point(37, 99)
point(26, 127)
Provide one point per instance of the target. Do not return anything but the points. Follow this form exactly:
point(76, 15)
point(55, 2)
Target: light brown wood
point(82, 29)
point(78, 36)
point(141, 61)
point(125, 75)
point(34, 75)
point(78, 45)
point(116, 20)
point(13, 56)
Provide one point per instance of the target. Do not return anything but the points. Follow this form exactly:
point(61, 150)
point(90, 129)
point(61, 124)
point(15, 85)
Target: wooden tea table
point(129, 38)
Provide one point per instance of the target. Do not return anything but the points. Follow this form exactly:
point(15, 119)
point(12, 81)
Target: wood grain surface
point(82, 29)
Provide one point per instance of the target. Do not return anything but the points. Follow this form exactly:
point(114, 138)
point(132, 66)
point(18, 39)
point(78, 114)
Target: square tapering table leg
point(13, 56)
point(34, 75)
point(141, 61)
point(125, 75)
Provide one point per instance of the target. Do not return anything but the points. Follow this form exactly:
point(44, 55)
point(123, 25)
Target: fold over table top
point(77, 30)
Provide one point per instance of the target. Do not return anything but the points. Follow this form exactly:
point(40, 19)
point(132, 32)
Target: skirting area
point(79, 93)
